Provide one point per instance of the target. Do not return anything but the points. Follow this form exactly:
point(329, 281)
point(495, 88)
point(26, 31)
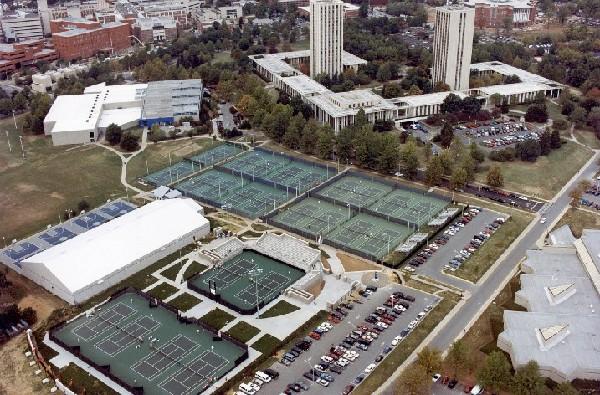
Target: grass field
point(172, 272)
point(193, 269)
point(280, 308)
point(385, 368)
point(545, 177)
point(475, 267)
point(157, 155)
point(587, 137)
point(217, 318)
point(243, 331)
point(578, 220)
point(184, 302)
point(267, 344)
point(36, 191)
point(162, 291)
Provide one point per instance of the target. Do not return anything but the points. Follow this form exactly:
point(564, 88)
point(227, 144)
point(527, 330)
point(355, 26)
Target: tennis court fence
point(213, 203)
point(224, 159)
point(351, 250)
point(253, 178)
point(299, 160)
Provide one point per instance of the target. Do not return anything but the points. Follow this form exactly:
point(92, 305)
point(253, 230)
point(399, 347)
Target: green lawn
point(578, 220)
point(172, 272)
point(81, 381)
point(587, 137)
point(394, 359)
point(545, 177)
point(162, 291)
point(243, 331)
point(267, 344)
point(184, 302)
point(36, 191)
point(217, 318)
point(156, 156)
point(281, 308)
point(475, 267)
point(193, 269)
point(222, 57)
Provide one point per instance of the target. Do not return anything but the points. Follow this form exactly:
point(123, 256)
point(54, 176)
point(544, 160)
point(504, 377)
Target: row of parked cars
point(492, 129)
point(510, 139)
point(260, 379)
point(477, 241)
point(423, 255)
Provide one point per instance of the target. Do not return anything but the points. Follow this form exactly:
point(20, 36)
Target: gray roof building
point(559, 330)
point(166, 101)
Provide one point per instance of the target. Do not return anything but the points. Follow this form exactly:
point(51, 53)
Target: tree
point(325, 142)
point(156, 133)
point(536, 113)
point(129, 142)
point(578, 116)
point(29, 315)
point(545, 143)
point(83, 205)
point(459, 178)
point(476, 153)
point(309, 137)
point(430, 359)
point(555, 142)
point(415, 381)
point(495, 374)
point(387, 161)
point(446, 135)
point(344, 145)
point(293, 134)
point(409, 159)
point(458, 358)
point(527, 380)
point(113, 134)
point(528, 151)
point(494, 177)
point(451, 104)
point(434, 171)
point(471, 105)
point(496, 99)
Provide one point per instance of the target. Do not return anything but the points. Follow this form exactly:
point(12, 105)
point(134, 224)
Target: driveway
point(433, 266)
point(335, 336)
point(228, 123)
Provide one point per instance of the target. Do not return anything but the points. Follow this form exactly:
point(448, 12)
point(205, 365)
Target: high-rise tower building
point(452, 45)
point(326, 37)
point(44, 14)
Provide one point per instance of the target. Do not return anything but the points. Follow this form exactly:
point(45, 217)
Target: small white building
point(81, 267)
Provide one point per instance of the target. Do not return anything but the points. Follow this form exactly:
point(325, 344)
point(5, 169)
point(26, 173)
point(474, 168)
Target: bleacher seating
point(289, 249)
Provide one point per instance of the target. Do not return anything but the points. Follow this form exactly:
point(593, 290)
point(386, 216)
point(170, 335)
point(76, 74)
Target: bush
point(560, 124)
point(129, 142)
point(503, 155)
point(536, 113)
point(528, 151)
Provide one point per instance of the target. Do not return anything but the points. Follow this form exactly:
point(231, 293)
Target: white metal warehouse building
point(91, 262)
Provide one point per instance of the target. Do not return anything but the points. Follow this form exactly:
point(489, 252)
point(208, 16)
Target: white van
point(262, 376)
point(477, 390)
point(247, 389)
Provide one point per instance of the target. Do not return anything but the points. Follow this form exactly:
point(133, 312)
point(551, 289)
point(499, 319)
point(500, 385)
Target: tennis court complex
point(356, 191)
point(245, 280)
point(171, 174)
point(411, 206)
point(234, 193)
point(361, 214)
point(283, 170)
point(370, 235)
point(313, 216)
point(217, 154)
point(147, 347)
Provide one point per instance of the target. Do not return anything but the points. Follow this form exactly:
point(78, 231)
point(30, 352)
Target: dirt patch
point(17, 376)
point(316, 288)
point(354, 264)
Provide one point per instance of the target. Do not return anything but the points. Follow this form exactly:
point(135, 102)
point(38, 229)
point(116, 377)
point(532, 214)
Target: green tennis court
point(148, 347)
point(246, 280)
point(314, 216)
point(216, 154)
point(357, 191)
point(171, 174)
point(370, 235)
point(414, 207)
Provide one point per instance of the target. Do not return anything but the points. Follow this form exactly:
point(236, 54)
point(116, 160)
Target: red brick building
point(13, 56)
point(494, 14)
point(79, 39)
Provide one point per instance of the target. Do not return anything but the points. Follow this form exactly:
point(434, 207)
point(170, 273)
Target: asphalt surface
point(487, 289)
point(434, 265)
point(228, 123)
point(441, 389)
point(335, 336)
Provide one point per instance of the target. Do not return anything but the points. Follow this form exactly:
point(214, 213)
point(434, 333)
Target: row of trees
point(126, 140)
point(495, 374)
point(529, 150)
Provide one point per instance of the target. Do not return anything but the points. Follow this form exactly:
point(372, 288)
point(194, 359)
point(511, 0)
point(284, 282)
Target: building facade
point(13, 56)
point(496, 13)
point(80, 39)
point(326, 37)
point(149, 30)
point(22, 26)
point(452, 46)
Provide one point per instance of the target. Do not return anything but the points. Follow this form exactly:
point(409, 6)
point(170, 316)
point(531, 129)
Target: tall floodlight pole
point(254, 273)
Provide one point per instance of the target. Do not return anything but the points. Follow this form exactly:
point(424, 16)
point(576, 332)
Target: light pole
point(8, 140)
point(4, 240)
point(22, 149)
point(255, 273)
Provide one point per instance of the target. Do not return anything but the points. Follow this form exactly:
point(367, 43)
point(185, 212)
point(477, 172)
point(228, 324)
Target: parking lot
point(435, 263)
point(497, 135)
point(335, 336)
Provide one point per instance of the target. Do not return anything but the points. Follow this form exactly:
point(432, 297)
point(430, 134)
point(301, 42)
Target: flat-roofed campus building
point(495, 13)
point(90, 262)
point(452, 46)
point(80, 119)
point(560, 290)
point(326, 37)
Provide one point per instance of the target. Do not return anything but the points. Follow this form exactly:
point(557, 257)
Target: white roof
point(73, 113)
point(506, 69)
point(519, 4)
point(110, 247)
point(514, 89)
point(304, 85)
point(421, 100)
point(349, 103)
point(119, 117)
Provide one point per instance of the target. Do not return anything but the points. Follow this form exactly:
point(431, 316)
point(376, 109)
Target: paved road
point(433, 266)
point(319, 348)
point(228, 123)
point(486, 290)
